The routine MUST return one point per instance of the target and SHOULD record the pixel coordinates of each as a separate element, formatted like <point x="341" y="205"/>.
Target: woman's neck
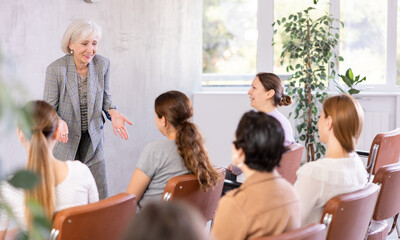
<point x="335" y="150"/>
<point x="247" y="171"/>
<point x="81" y="68"/>
<point x="267" y="108"/>
<point x="170" y="133"/>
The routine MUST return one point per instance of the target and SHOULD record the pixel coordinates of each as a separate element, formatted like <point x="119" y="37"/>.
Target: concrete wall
<point x="153" y="46"/>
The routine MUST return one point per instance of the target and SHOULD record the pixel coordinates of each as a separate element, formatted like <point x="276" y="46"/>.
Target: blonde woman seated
<point x="183" y="152"/>
<point x="341" y="171"/>
<point x="62" y="184"/>
<point x="265" y="204"/>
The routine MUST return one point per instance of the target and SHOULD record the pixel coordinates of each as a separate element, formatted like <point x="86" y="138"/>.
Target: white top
<point x="319" y="181"/>
<point x="78" y="188"/>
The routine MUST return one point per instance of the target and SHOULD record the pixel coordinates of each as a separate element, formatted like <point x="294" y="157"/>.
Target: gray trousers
<point x="98" y="168"/>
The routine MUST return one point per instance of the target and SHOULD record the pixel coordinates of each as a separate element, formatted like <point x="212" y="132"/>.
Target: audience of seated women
<point x="265" y="204"/>
<point x="183" y="152"/>
<point x="341" y="170"/>
<point x="62" y="184"/>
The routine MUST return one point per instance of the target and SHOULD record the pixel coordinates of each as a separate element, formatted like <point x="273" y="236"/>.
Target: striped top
<point x="82" y="88"/>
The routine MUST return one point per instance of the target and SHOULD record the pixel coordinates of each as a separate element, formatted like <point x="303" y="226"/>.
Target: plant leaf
<point x="24" y="179"/>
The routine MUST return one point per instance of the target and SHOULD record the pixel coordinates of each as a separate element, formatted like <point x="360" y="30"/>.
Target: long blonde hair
<point x="43" y="122"/>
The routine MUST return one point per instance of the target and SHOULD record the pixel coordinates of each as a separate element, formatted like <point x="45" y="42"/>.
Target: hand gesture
<point x="62" y="131"/>
<point x="118" y="121"/>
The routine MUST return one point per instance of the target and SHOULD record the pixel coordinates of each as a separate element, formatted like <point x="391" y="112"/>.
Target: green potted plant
<point x="351" y="81"/>
<point x="309" y="52"/>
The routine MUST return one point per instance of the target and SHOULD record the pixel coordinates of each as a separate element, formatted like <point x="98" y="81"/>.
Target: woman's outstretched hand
<point x="118" y="121"/>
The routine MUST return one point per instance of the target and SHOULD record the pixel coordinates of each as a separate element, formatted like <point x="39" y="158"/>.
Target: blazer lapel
<point x="92" y="88"/>
<point x="72" y="87"/>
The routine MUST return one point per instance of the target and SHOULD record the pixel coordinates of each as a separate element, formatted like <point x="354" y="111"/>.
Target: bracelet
<point x="107" y="114"/>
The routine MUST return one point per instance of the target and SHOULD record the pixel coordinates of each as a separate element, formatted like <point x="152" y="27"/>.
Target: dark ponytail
<point x="177" y="110"/>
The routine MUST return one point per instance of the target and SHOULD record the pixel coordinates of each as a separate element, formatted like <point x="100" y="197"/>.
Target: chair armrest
<point x="362" y="153"/>
<point x="231" y="184"/>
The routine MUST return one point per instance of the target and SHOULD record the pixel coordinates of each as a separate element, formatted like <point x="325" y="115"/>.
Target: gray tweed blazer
<point x="61" y="91"/>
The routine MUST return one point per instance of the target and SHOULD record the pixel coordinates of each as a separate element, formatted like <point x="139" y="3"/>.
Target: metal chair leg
<point x="398" y="230"/>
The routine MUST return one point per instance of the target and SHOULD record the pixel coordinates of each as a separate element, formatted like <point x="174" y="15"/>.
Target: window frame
<point x="265" y="50"/>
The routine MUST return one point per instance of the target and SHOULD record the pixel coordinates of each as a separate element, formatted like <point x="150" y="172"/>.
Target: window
<point x="229" y="38"/>
<point x="363" y="39"/>
<point x="368" y="41"/>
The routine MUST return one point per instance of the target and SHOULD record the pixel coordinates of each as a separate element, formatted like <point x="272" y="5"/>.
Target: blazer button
<point x="101" y="127"/>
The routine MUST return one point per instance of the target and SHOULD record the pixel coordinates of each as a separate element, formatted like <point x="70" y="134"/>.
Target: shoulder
<point x="230" y="200"/>
<point x="9" y="192"/>
<point x="336" y="171"/>
<point x="161" y="146"/>
<point x="77" y="167"/>
<point x="312" y="167"/>
<point x="279" y="116"/>
<point x="61" y="62"/>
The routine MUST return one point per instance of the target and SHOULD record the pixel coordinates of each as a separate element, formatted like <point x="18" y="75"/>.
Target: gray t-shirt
<point x="160" y="161"/>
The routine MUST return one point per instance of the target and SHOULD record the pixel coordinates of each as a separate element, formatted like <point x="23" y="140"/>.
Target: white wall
<point x="153" y="46"/>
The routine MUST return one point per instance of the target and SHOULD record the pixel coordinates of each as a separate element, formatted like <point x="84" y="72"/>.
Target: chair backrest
<point x="384" y="150"/>
<point x="290" y="162"/>
<point x="388" y="204"/>
<point x="187" y="188"/>
<point x="105" y="219"/>
<point x="347" y="216"/>
<point x="314" y="231"/>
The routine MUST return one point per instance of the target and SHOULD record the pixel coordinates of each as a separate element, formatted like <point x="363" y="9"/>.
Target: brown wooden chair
<point x="384" y="150"/>
<point x="105" y="219"/>
<point x="388" y="204"/>
<point x="347" y="216"/>
<point x="187" y="188"/>
<point x="290" y="162"/>
<point x="314" y="231"/>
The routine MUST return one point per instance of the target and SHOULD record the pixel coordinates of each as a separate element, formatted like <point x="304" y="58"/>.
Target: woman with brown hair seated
<point x="183" y="152"/>
<point x="265" y="204"/>
<point x="341" y="170"/>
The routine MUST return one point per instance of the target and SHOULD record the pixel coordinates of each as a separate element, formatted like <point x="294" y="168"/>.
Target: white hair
<point x="77" y="30"/>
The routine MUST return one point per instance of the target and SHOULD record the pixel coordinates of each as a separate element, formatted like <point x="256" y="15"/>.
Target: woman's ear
<point x="237" y="156"/>
<point x="270" y="94"/>
<point x="164" y="122"/>
<point x="21" y="136"/>
<point x="329" y="123"/>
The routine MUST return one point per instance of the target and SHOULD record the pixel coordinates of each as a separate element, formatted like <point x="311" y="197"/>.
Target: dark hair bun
<point x="285" y="100"/>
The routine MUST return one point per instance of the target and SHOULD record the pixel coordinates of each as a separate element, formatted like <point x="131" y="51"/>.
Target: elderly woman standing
<point x="77" y="86"/>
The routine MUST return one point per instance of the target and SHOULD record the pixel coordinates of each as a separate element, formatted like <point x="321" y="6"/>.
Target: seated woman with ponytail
<point x="183" y="152"/>
<point x="62" y="184"/>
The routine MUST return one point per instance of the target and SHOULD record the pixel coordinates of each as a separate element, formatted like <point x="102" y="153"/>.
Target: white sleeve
<point x="4" y="218"/>
<point x="308" y="190"/>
